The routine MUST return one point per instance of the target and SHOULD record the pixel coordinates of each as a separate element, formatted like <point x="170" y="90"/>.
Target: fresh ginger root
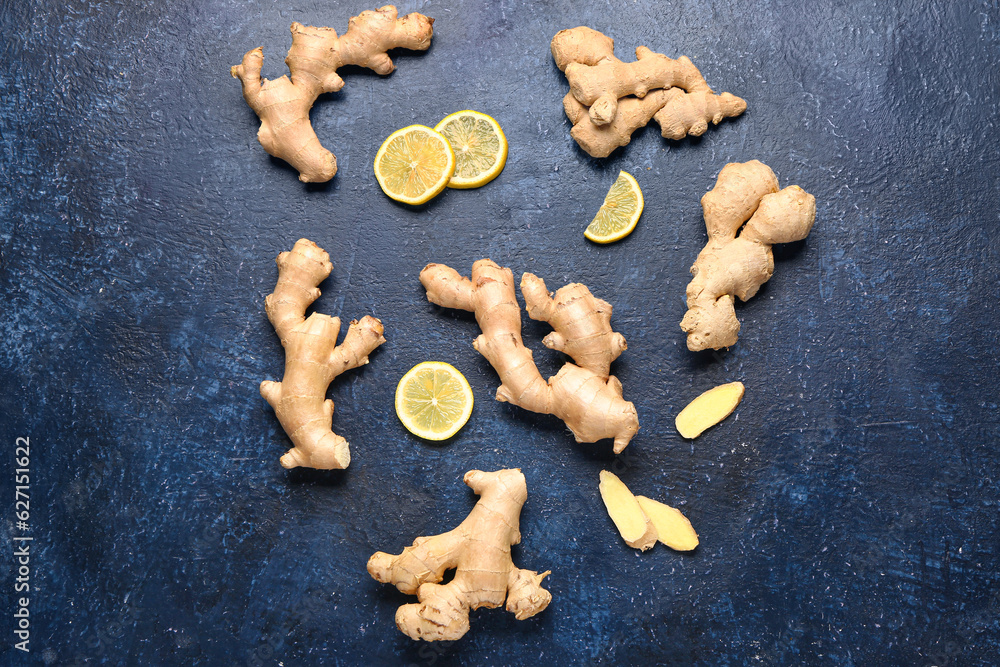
<point x="313" y="60"/>
<point x="582" y="394"/>
<point x="610" y="99"/>
<point x="708" y="409"/>
<point x="479" y="550"/>
<point x="642" y="521"/>
<point x="732" y="265"/>
<point x="312" y="358"/>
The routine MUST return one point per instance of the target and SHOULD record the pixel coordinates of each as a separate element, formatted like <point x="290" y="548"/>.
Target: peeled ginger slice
<point x="672" y="527"/>
<point x="635" y="527"/>
<point x="709" y="409"/>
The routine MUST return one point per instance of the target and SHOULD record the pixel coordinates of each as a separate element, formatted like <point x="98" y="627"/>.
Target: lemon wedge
<point x="414" y="164"/>
<point x="480" y="148"/>
<point x="619" y="213"/>
<point x="433" y="400"/>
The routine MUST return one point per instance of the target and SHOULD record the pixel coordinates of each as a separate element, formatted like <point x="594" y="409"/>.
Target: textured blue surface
<point x="848" y="512"/>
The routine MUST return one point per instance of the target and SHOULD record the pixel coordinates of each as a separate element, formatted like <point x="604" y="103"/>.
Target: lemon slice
<point x="619" y="213"/>
<point x="480" y="148"/>
<point x="433" y="400"/>
<point x="414" y="164"/>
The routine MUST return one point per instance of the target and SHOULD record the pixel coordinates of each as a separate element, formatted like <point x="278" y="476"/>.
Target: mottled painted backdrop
<point x="848" y="512"/>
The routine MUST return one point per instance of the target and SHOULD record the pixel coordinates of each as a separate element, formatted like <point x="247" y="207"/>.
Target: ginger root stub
<point x="708" y="409"/>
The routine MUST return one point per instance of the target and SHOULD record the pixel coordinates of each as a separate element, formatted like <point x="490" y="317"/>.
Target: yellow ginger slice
<point x="672" y="527"/>
<point x="635" y="527"/>
<point x="709" y="409"/>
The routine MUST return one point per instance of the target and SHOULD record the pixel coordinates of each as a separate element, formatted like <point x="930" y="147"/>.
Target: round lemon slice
<point x="619" y="213"/>
<point x="414" y="164"/>
<point x="480" y="148"/>
<point x="433" y="400"/>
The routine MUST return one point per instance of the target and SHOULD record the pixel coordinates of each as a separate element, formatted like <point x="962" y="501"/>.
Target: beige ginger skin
<point x="602" y="140"/>
<point x="312" y="359"/>
<point x="316" y="54"/>
<point x="610" y="99"/>
<point x="479" y="551"/>
<point x="582" y="394"/>
<point x="745" y="196"/>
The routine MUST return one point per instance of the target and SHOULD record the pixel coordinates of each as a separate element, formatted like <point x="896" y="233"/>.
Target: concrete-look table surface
<point x="848" y="510"/>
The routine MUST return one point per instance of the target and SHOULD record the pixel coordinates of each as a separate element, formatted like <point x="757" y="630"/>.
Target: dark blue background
<point x="848" y="512"/>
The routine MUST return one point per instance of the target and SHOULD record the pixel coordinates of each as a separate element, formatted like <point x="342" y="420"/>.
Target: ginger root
<point x="313" y="60"/>
<point x="312" y="359"/>
<point x="583" y="394"/>
<point x="610" y="99"/>
<point x="602" y="140"/>
<point x="479" y="550"/>
<point x="708" y="409"/>
<point x="732" y="265"/>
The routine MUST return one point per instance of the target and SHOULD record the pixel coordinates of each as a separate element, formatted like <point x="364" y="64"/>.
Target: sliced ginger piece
<point x="672" y="527"/>
<point x="635" y="527"/>
<point x="709" y="409"/>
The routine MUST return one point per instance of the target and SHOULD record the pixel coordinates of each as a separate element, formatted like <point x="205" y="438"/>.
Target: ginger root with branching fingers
<point x="610" y="99"/>
<point x="582" y="394"/>
<point x="745" y="196"/>
<point x="312" y="359"/>
<point x="313" y="60"/>
<point x="479" y="551"/>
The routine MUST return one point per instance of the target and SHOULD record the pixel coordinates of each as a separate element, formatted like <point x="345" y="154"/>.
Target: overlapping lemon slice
<point x="414" y="164"/>
<point x="480" y="148"/>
